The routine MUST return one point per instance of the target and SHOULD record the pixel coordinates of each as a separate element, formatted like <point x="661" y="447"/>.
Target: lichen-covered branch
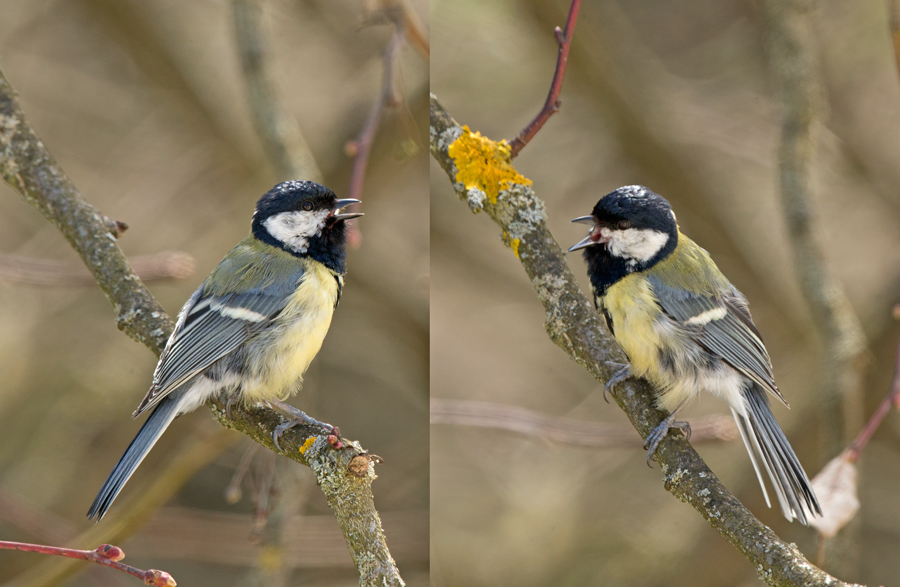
<point x="285" y="146"/>
<point x="345" y="475"/>
<point x="30" y="169"/>
<point x="483" y="177"/>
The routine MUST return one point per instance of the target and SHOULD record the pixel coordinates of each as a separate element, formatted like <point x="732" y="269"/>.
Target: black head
<point x="302" y="217"/>
<point x="632" y="229"/>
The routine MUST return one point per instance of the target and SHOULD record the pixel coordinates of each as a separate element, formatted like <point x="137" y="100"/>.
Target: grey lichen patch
<point x="448" y="137"/>
<point x="475" y="199"/>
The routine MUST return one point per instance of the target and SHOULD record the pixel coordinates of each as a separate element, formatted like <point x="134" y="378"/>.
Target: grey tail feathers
<point x="764" y="439"/>
<point x="149" y="433"/>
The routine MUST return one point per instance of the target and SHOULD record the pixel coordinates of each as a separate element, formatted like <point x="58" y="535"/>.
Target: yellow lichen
<point x="514" y="245"/>
<point x="484" y="164"/>
<point x="309" y="442"/>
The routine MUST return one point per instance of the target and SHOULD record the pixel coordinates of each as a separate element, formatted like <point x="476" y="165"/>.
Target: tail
<point x="763" y="437"/>
<point x="149" y="433"/>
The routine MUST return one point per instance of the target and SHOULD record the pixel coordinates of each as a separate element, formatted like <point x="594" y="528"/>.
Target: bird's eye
<point x="623" y="224"/>
<point x="307" y="205"/>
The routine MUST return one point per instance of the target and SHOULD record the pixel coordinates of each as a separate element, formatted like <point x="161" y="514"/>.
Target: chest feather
<point x="288" y="347"/>
<point x="635" y="318"/>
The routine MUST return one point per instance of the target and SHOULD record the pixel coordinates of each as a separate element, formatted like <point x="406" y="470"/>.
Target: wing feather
<point x="209" y="328"/>
<point x="723" y="326"/>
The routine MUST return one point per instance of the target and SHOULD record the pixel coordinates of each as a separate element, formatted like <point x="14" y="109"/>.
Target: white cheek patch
<point x="295" y="229"/>
<point x="635" y="244"/>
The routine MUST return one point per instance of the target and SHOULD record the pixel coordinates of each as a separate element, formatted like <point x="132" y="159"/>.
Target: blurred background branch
<point x="287" y="150"/>
<point x="30" y="169"/>
<point x="46" y="272"/>
<point x="482" y="176"/>
<point x="792" y="53"/>
<point x="564" y="430"/>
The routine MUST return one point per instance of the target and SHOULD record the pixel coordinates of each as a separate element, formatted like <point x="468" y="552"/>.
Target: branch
<point x="792" y="55"/>
<point x="105" y="554"/>
<point x="482" y="176"/>
<point x="193" y="455"/>
<point x="564" y="430"/>
<point x="280" y="134"/>
<point x="345" y="476"/>
<point x="362" y="146"/>
<point x="892" y="399"/>
<point x="552" y="104"/>
<point x="30" y="271"/>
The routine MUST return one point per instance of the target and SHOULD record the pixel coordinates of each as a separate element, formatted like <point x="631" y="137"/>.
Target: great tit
<point x="253" y="327"/>
<point x="685" y="328"/>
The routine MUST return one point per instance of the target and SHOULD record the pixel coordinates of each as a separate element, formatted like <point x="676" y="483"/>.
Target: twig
<point x="892" y="399"/>
<point x="45" y="272"/>
<point x="345" y="476"/>
<point x="192" y="456"/>
<point x="280" y="134"/>
<point x="362" y="146"/>
<point x="564" y="430"/>
<point x="105" y="554"/>
<point x="402" y="11"/>
<point x="551" y="105"/>
<point x="482" y="176"/>
<point x="792" y="55"/>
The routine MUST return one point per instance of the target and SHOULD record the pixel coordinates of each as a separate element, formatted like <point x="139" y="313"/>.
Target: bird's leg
<point x="623" y="373"/>
<point x="657" y="434"/>
<point x="298" y="418"/>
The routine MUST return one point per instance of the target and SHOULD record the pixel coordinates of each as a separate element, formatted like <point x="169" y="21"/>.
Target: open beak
<point x="588" y="240"/>
<point x="343" y="204"/>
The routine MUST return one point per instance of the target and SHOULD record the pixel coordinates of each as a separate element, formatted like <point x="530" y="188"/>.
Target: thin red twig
<point x="551" y="106"/>
<point x="362" y="146"/>
<point x="891" y="399"/>
<point x="105" y="554"/>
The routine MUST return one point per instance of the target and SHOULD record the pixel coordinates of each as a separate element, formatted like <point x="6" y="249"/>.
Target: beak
<point x="582" y="244"/>
<point x="343" y="204"/>
<point x="586" y="241"/>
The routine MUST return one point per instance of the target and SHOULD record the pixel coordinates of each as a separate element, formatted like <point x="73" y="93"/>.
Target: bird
<point x="253" y="326"/>
<point x="685" y="328"/>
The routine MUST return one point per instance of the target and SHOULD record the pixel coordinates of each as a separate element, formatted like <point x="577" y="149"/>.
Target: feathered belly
<point x="278" y="358"/>
<point x="663" y="352"/>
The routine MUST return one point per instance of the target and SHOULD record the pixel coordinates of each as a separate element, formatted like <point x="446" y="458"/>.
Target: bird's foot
<point x="299" y="418"/>
<point x="623" y="372"/>
<point x="657" y="434"/>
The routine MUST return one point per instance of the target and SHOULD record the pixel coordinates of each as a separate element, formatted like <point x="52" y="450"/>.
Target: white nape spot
<point x="707" y="317"/>
<point x="237" y="313"/>
<point x="635" y="244"/>
<point x="294" y="229"/>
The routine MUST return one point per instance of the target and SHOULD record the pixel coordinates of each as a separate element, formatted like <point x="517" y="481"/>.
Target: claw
<point x="623" y="373"/>
<point x="332" y="433"/>
<point x="657" y="434"/>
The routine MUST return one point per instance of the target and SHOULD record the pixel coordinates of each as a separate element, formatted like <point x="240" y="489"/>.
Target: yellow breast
<point x="634" y="314"/>
<point x="278" y="359"/>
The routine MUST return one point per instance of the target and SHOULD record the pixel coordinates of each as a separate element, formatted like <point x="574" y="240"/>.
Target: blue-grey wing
<point x="210" y="327"/>
<point x="722" y="325"/>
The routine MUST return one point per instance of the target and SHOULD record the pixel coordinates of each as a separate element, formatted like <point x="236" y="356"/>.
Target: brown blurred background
<point x="143" y="105"/>
<point x="677" y="96"/>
